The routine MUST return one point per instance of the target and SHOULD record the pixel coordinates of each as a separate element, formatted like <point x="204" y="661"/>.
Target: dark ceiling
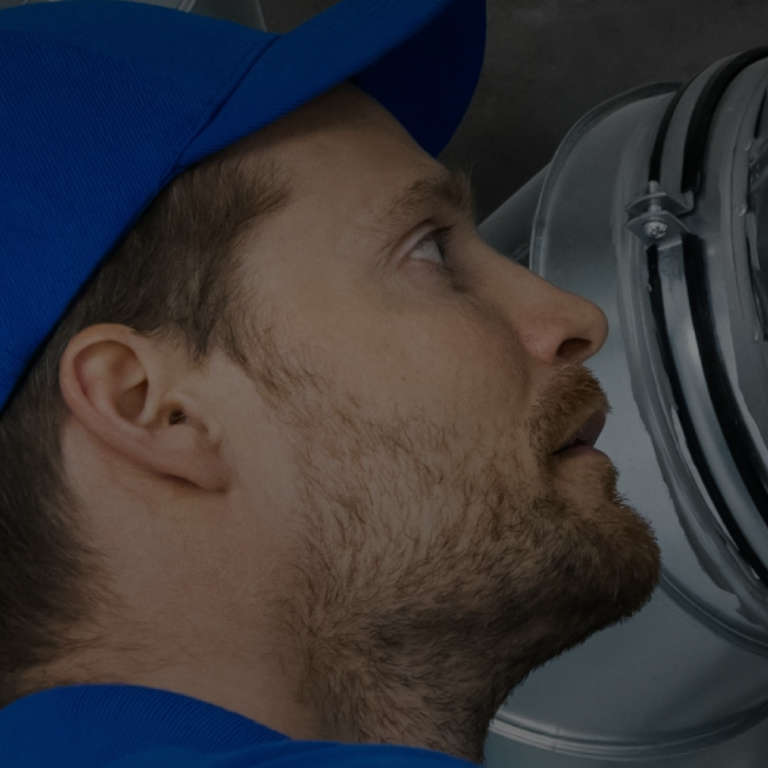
<point x="549" y="61"/>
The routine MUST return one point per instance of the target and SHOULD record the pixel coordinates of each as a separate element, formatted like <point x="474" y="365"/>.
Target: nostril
<point x="574" y="350"/>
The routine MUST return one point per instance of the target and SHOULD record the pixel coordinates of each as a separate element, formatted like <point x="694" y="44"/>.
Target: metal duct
<point x="655" y="207"/>
<point x="247" y="12"/>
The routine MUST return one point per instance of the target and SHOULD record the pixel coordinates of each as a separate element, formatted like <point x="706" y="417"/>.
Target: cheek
<point x="455" y="361"/>
<point x="407" y="343"/>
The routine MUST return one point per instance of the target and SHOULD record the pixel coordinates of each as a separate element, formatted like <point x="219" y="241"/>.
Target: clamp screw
<point x="655" y="229"/>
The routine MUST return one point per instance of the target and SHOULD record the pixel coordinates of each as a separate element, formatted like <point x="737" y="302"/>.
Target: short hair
<point x="173" y="274"/>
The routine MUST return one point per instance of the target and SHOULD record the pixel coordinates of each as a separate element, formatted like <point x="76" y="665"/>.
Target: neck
<point x="439" y="691"/>
<point x="411" y="712"/>
<point x="434" y="689"/>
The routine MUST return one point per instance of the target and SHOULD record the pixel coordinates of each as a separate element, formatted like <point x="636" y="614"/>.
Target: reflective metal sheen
<point x="654" y="207"/>
<point x="247" y="12"/>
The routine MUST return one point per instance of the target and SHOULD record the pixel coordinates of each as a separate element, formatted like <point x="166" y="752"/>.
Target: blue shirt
<point x="127" y="726"/>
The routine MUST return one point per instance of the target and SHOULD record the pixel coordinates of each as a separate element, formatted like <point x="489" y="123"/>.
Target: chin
<point x="615" y="560"/>
<point x="601" y="558"/>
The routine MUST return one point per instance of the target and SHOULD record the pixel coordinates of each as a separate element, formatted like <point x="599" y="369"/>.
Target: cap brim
<point x="420" y="61"/>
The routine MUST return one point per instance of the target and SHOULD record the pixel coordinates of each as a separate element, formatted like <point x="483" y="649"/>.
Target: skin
<point x="365" y="535"/>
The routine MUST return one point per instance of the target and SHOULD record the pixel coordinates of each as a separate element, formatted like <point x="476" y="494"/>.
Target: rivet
<point x="655" y="229"/>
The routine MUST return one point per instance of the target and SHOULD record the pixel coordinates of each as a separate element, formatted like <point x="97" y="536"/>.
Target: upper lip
<point x="587" y="432"/>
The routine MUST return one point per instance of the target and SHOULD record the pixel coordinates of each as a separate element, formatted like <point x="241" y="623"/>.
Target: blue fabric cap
<point x="102" y="103"/>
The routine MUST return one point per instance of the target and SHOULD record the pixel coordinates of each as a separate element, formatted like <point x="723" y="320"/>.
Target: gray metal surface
<point x="685" y="682"/>
<point x="246" y="12"/>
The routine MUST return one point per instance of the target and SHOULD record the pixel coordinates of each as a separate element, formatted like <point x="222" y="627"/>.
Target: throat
<point x="436" y="692"/>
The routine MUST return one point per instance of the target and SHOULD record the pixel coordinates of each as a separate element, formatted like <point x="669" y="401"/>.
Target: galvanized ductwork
<point x="246" y="12"/>
<point x="655" y="207"/>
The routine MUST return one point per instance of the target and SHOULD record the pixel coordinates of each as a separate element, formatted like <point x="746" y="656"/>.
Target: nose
<point x="555" y="326"/>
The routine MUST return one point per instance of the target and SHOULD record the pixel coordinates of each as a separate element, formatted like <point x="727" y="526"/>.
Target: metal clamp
<point x="654" y="216"/>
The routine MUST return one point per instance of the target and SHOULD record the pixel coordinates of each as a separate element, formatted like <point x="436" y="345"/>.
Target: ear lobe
<point x="140" y="397"/>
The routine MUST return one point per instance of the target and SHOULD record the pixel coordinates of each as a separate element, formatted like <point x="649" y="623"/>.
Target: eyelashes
<point x="440" y="254"/>
<point x="437" y="242"/>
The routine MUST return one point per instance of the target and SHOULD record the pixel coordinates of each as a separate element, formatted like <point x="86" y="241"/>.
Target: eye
<point x="433" y="247"/>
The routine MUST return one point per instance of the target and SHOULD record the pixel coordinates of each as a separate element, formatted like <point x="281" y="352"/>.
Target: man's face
<point x="423" y="383"/>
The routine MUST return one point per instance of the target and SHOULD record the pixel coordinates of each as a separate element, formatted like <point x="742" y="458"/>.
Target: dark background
<point x="549" y="61"/>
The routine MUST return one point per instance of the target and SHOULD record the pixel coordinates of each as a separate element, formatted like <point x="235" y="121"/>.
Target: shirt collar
<point x="119" y="719"/>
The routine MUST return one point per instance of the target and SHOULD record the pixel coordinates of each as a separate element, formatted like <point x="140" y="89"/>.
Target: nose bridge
<point x="554" y="325"/>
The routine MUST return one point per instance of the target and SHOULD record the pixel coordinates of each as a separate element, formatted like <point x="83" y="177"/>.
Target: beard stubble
<point x="431" y="574"/>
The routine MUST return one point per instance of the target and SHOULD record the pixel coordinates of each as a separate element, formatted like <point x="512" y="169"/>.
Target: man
<point x="289" y="456"/>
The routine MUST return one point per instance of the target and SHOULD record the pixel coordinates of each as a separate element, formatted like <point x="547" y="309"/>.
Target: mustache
<point x="570" y="398"/>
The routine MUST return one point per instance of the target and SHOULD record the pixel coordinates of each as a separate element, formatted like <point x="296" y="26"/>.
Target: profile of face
<point x="402" y="523"/>
<point x="438" y="538"/>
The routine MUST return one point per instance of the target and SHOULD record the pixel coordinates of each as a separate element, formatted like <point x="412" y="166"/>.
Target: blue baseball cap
<point x="102" y="103"/>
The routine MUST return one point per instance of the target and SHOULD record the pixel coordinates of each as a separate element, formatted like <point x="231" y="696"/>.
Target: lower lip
<point x="578" y="450"/>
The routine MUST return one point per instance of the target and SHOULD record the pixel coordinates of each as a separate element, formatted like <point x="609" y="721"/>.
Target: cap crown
<point x="102" y="103"/>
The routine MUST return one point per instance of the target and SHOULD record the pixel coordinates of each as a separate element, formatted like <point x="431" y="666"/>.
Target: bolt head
<point x="655" y="229"/>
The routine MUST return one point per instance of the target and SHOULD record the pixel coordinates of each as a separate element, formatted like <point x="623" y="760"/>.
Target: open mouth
<point x="585" y="436"/>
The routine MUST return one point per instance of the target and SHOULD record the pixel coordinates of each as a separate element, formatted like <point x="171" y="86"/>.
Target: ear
<point x="142" y="398"/>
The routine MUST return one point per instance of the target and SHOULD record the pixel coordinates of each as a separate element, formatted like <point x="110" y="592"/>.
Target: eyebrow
<point x="453" y="188"/>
